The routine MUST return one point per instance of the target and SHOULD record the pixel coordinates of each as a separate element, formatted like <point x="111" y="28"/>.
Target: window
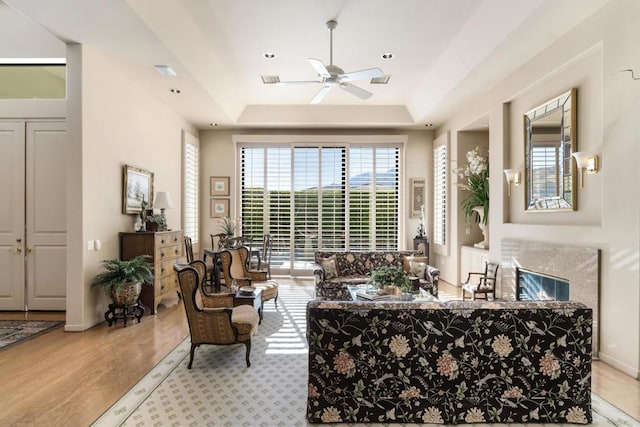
<point x="309" y="196"/>
<point x="191" y="177"/>
<point x="440" y="195"/>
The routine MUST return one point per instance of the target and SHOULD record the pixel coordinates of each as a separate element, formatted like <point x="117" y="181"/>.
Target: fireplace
<point x="578" y="266"/>
<point x="533" y="286"/>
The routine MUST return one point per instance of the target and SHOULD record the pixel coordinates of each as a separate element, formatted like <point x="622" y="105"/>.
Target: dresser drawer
<point x="166" y="267"/>
<point x="168" y="239"/>
<point x="165" y="284"/>
<point x="168" y="253"/>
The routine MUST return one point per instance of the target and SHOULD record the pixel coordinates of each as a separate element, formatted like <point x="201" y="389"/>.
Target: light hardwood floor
<point x="71" y="378"/>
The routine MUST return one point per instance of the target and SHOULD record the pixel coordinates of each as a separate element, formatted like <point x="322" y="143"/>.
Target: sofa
<point x="334" y="271"/>
<point x="454" y="362"/>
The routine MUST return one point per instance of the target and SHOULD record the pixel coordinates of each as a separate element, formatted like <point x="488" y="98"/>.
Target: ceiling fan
<point x="331" y="75"/>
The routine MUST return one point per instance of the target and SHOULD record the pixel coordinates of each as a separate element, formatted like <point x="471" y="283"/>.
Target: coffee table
<point x="254" y="299"/>
<point x="421" y="296"/>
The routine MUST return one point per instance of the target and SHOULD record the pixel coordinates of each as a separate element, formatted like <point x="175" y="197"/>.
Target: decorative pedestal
<point x="124" y="312"/>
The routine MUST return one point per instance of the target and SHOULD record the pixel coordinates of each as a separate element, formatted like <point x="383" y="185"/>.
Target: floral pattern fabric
<point x="453" y="362"/>
<point x="355" y="268"/>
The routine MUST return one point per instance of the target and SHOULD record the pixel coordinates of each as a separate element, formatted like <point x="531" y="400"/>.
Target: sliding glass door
<point x="334" y="197"/>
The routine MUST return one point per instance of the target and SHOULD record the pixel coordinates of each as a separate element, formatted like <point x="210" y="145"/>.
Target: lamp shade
<point x="163" y="200"/>
<point x="581" y="158"/>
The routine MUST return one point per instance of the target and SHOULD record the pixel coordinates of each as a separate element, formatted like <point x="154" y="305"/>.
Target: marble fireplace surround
<point x="580" y="266"/>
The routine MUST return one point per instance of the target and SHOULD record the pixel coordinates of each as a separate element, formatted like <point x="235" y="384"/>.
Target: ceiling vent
<point x="380" y="80"/>
<point x="270" y="80"/>
<point x="165" y="70"/>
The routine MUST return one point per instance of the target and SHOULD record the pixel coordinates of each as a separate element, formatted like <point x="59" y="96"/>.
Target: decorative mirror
<point x="549" y="140"/>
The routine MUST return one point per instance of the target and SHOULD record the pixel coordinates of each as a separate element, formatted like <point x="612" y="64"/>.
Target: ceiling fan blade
<point x="355" y="90"/>
<point x="362" y="74"/>
<point x="320" y="68"/>
<point x="297" y="82"/>
<point x="320" y="95"/>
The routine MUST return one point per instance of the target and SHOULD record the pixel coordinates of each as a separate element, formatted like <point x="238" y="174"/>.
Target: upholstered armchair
<point x="218" y="326"/>
<point x="234" y="268"/>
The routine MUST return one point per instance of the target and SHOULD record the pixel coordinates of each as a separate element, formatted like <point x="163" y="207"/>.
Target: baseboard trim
<point x="621" y="366"/>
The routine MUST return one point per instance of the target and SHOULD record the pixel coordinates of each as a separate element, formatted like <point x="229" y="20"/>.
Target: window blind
<point x="440" y="195"/>
<point x="191" y="190"/>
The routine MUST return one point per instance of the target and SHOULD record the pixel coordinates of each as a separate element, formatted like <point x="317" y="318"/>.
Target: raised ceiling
<point x="445" y="52"/>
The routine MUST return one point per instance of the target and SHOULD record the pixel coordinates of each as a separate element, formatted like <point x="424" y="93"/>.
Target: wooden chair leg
<point x="193" y="350"/>
<point x="247" y="344"/>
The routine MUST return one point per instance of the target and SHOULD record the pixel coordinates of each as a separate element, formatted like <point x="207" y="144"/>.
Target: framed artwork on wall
<point x="417" y="197"/>
<point x="219" y="186"/>
<point x="219" y="208"/>
<point x="137" y="186"/>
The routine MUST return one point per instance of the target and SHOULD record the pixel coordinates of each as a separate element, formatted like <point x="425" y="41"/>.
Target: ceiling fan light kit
<point x="331" y="75"/>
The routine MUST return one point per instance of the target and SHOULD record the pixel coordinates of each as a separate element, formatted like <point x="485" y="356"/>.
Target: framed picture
<point x="137" y="185"/>
<point x="219" y="186"/>
<point x="219" y="208"/>
<point x="417" y="197"/>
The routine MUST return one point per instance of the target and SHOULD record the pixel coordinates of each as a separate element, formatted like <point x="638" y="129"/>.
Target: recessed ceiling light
<point x="386" y="55"/>
<point x="429" y="125"/>
<point x="165" y="70"/>
<point x="176" y="91"/>
<point x="269" y="55"/>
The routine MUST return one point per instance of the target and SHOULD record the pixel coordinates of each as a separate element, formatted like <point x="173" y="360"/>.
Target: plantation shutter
<point x="306" y="180"/>
<point x="252" y="187"/>
<point x="360" y="199"/>
<point x="191" y="176"/>
<point x="440" y="194"/>
<point x="386" y="198"/>
<point x="333" y="183"/>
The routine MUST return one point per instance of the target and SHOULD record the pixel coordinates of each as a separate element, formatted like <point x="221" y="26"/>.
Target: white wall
<point x="112" y="122"/>
<point x="218" y="159"/>
<point x="588" y="58"/>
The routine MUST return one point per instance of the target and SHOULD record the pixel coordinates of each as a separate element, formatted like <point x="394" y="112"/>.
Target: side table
<point x="124" y="312"/>
<point x="254" y="300"/>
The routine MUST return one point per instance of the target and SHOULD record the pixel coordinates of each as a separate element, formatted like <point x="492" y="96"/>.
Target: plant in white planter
<point x="122" y="280"/>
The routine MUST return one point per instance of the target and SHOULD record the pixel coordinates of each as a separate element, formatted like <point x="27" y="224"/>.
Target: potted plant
<point x="474" y="177"/>
<point x="390" y="276"/>
<point x="123" y="280"/>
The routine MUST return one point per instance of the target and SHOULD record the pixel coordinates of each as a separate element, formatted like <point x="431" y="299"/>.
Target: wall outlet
<point x="467" y="231"/>
<point x="90" y="245"/>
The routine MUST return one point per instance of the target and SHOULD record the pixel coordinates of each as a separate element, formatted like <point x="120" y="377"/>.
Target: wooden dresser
<point x="165" y="249"/>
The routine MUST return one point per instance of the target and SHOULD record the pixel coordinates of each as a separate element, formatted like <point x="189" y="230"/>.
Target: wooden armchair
<point x="188" y="250"/>
<point x="218" y="326"/>
<point x="485" y="284"/>
<point x="234" y="268"/>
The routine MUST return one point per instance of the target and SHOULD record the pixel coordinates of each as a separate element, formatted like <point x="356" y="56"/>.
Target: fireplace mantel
<point x="577" y="264"/>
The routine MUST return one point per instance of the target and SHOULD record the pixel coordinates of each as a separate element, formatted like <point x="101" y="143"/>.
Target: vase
<point x="483" y="227"/>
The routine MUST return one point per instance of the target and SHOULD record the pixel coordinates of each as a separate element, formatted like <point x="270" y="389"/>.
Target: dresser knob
<point x="162" y="241"/>
<point x="161" y="254"/>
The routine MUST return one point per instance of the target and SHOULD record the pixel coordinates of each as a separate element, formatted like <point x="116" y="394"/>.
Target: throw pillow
<point x="417" y="268"/>
<point x="330" y="267"/>
<point x="406" y="264"/>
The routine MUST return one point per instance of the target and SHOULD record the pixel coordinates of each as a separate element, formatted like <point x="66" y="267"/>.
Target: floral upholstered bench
<point x="334" y="271"/>
<point x="454" y="362"/>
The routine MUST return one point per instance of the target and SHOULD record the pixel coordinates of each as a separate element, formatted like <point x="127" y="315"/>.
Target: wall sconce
<point x="586" y="162"/>
<point x="512" y="175"/>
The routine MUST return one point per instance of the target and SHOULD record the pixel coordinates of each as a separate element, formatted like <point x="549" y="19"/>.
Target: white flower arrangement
<point x="474" y="177"/>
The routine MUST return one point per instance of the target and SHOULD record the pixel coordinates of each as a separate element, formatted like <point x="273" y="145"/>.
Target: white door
<point x="12" y="228"/>
<point x="33" y="241"/>
<point x="46" y="215"/>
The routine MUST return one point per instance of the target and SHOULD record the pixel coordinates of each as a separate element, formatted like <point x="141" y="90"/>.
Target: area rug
<point x="221" y="391"/>
<point x="13" y="332"/>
